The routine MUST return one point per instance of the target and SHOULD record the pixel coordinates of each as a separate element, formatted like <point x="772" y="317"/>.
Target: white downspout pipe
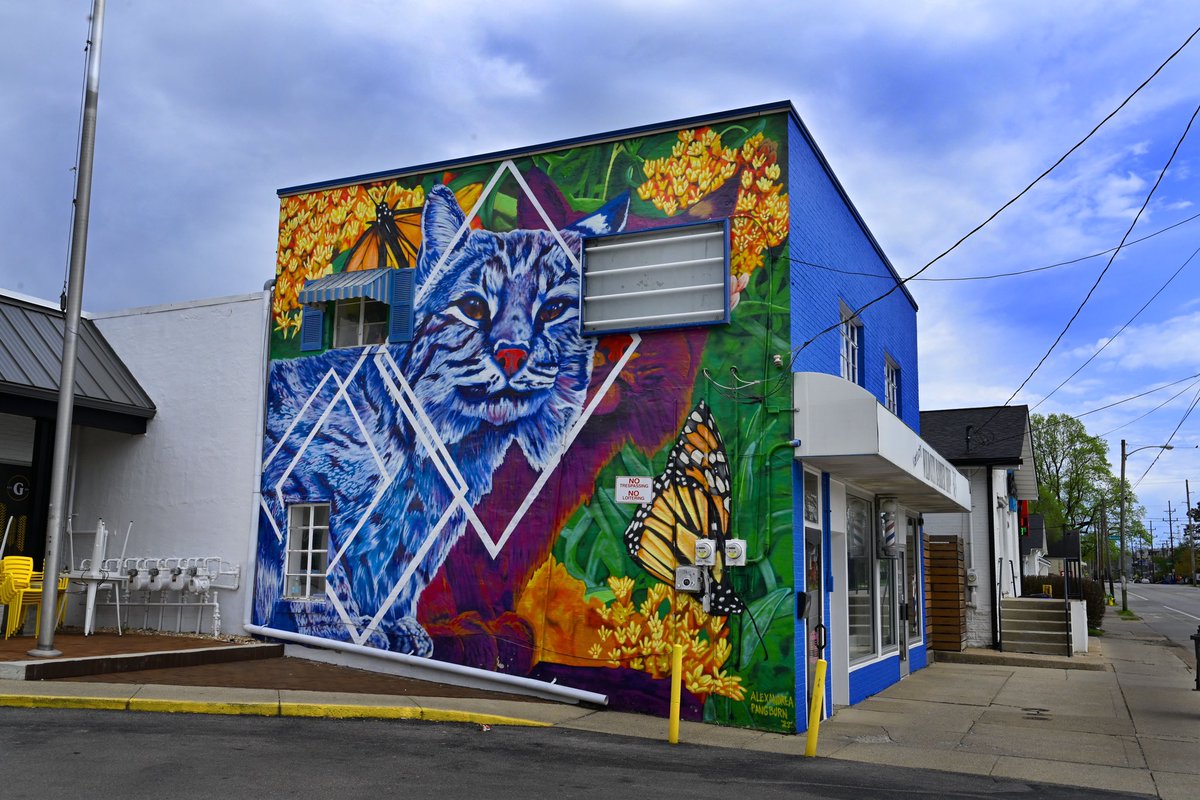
<point x="259" y="434"/>
<point x="549" y="691"/>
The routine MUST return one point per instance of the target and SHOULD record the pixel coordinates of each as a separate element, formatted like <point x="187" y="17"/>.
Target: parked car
<point x="1144" y="580"/>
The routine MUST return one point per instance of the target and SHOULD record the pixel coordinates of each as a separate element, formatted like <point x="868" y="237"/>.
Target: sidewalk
<point x="1127" y="719"/>
<point x="1133" y="727"/>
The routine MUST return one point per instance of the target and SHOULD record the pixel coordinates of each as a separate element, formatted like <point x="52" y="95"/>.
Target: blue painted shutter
<point x="400" y="323"/>
<point x="312" y="328"/>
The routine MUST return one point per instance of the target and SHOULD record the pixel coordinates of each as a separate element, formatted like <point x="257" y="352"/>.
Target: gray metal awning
<point x="842" y="429"/>
<point x="31" y="342"/>
<point x="373" y="283"/>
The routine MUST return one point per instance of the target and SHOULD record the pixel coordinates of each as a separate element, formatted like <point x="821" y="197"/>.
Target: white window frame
<point x="303" y="547"/>
<point x="669" y="277"/>
<point x="850" y="335"/>
<point x="363" y="332"/>
<point x="891" y="386"/>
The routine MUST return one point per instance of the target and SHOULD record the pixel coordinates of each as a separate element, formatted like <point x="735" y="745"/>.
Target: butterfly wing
<point x="390" y="242"/>
<point x="690" y="500"/>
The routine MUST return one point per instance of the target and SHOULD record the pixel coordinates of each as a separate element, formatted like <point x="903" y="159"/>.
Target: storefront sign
<point x="936" y="471"/>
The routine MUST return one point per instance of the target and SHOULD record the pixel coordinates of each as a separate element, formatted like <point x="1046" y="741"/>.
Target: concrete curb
<point x="265" y="709"/>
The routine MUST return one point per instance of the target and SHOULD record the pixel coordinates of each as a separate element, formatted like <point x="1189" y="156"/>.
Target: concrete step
<point x="1030" y="602"/>
<point x="1009" y="635"/>
<point x="1035" y="615"/>
<point x="1052" y="649"/>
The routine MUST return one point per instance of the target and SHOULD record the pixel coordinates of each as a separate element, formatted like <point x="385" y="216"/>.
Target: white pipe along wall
<point x="455" y="674"/>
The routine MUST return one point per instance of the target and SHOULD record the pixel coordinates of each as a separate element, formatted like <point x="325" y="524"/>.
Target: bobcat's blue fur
<point x="496" y="358"/>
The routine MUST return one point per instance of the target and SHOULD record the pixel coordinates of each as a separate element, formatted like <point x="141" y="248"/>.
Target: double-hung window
<point x="307" y="550"/>
<point x="851" y="341"/>
<point x="891" y="387"/>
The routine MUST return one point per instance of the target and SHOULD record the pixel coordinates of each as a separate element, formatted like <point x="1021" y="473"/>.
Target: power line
<point x="1014" y="199"/>
<point x="1151" y="411"/>
<point x="1158" y="454"/>
<point x="1121" y="330"/>
<point x="996" y="275"/>
<point x="1104" y="271"/>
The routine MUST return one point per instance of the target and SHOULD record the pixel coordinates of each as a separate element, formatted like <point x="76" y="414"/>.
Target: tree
<point x="1077" y="483"/>
<point x="1073" y="472"/>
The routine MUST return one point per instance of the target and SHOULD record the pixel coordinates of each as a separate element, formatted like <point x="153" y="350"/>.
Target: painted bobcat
<point x="496" y="359"/>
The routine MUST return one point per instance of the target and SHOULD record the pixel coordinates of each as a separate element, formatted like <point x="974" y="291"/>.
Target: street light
<point x="1125" y="455"/>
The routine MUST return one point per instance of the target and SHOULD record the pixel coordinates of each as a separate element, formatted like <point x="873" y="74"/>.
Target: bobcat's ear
<point x="609" y="218"/>
<point x="441" y="219"/>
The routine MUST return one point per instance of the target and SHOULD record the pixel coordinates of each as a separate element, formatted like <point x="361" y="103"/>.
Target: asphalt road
<point x="1173" y="611"/>
<point x="50" y="753"/>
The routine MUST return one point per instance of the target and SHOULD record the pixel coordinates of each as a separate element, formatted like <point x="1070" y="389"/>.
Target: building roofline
<point x="778" y="107"/>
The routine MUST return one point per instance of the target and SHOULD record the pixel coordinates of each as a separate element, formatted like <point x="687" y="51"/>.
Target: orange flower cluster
<point x="314" y="228"/>
<point x="698" y="165"/>
<point x="761" y="213"/>
<point x="585" y="631"/>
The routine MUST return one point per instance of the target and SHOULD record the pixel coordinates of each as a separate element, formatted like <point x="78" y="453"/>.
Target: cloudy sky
<point x="933" y="113"/>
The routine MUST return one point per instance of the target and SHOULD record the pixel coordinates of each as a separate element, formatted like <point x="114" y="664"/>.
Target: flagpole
<point x="48" y="614"/>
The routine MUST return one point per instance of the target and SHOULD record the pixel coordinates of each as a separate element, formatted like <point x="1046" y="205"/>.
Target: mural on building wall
<point x="470" y="474"/>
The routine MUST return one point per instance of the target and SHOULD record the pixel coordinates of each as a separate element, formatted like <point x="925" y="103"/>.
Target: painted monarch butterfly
<point x="690" y="500"/>
<point x="394" y="237"/>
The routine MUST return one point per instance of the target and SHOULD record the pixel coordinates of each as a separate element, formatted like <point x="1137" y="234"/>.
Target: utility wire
<point x="1158" y="454"/>
<point x="1104" y="271"/>
<point x="1017" y="197"/>
<point x="1121" y="330"/>
<point x="1151" y="411"/>
<point x="996" y="275"/>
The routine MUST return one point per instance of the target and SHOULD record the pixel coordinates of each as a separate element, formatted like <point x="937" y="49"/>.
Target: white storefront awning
<point x="842" y="429"/>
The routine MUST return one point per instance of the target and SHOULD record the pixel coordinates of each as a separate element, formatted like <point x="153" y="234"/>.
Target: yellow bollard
<point x="815" y="708"/>
<point x="676" y="688"/>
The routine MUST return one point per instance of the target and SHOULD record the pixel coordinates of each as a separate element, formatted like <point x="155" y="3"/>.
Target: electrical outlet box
<point x="687" y="579"/>
<point x="706" y="553"/>
<point x="735" y="552"/>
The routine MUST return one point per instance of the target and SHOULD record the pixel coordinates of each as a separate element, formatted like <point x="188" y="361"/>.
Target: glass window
<point x="892" y="388"/>
<point x="851" y="335"/>
<point x="913" y="586"/>
<point x="860" y="583"/>
<point x="359" y="322"/>
<point x="887" y="603"/>
<point x="307" y="551"/>
<point x="812" y="499"/>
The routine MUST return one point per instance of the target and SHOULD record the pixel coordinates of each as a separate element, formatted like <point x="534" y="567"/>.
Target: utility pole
<point x="48" y="614"/>
<point x="1193" y="515"/>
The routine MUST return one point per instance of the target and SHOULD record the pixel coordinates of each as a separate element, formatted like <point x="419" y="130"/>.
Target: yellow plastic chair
<point x="30" y="596"/>
<point x="18" y="577"/>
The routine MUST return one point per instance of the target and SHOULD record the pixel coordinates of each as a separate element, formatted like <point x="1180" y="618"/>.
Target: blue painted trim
<point x="638" y="329"/>
<point x="918" y="657"/>
<point x="874" y="677"/>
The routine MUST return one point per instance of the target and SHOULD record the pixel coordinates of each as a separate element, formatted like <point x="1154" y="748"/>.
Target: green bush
<point x="1093" y="594"/>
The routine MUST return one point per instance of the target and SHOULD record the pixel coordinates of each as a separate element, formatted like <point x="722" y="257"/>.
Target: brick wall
<point x="826" y="231"/>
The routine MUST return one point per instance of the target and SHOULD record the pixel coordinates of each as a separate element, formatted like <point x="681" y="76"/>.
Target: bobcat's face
<point x="501" y="329"/>
<point x="497" y="339"/>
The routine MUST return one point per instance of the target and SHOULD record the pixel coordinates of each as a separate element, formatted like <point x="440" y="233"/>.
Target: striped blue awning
<point x="373" y="283"/>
